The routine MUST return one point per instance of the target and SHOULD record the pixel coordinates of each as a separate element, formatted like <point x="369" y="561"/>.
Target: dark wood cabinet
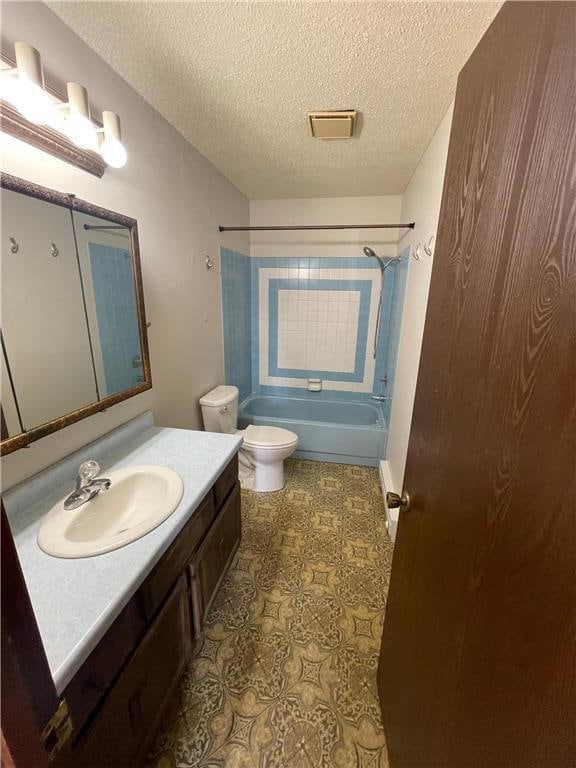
<point x="177" y="558"/>
<point x="116" y="699"/>
<point x="225" y="482"/>
<point x="90" y="684"/>
<point x="123" y="727"/>
<point x="214" y="556"/>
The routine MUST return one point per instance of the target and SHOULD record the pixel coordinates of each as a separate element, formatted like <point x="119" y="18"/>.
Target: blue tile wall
<point x="116" y="313"/>
<point x="237" y="319"/>
<point x="255" y="325"/>
<point x="394" y="322"/>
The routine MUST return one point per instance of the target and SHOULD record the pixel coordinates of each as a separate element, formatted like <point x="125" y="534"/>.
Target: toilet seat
<point x="268" y="437"/>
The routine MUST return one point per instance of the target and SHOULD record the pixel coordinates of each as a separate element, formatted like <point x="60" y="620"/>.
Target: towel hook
<point x="14" y="247"/>
<point x="428" y="246"/>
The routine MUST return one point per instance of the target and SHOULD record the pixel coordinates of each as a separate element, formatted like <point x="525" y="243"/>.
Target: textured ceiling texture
<point x="238" y="78"/>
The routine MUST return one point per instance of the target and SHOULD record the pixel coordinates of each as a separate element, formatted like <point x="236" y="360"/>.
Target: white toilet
<point x="264" y="449"/>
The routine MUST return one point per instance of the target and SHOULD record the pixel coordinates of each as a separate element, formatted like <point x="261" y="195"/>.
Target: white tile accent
<point x="302" y="320"/>
<point x="305" y="342"/>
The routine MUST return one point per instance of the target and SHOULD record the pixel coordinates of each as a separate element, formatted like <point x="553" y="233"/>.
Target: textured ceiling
<point x="237" y="79"/>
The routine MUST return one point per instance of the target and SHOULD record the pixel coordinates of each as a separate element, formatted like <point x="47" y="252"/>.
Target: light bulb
<point x="30" y="98"/>
<point x="78" y="126"/>
<point x="32" y="101"/>
<point x="114" y="153"/>
<point x="8" y="87"/>
<point x="81" y="131"/>
<point x="111" y="148"/>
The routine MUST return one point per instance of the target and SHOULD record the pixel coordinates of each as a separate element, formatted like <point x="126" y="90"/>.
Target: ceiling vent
<point x="339" y="124"/>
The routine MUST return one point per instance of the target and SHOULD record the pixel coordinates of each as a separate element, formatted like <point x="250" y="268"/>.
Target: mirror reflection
<point x="108" y="278"/>
<point x="70" y="324"/>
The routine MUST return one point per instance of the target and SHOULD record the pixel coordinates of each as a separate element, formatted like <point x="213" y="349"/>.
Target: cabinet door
<point x="131" y="711"/>
<point x="214" y="557"/>
<point x="175" y="561"/>
<point x="90" y="684"/>
<point x="226" y="482"/>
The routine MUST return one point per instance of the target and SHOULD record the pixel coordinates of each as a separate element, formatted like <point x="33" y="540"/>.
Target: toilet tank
<point x="220" y="409"/>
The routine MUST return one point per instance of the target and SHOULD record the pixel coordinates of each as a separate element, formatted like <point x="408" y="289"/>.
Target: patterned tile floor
<point x="286" y="674"/>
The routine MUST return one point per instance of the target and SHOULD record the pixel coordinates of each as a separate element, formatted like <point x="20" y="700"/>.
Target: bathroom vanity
<point x="116" y="698"/>
<point x="118" y="628"/>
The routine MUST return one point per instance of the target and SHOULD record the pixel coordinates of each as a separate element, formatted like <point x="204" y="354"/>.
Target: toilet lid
<point x="272" y="437"/>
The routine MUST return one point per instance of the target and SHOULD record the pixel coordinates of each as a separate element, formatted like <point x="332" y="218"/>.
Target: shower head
<point x="371" y="253"/>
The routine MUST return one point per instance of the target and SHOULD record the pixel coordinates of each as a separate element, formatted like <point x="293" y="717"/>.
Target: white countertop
<point x="76" y="601"/>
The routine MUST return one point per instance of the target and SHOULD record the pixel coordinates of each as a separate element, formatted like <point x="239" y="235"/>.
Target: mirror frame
<point x="72" y="203"/>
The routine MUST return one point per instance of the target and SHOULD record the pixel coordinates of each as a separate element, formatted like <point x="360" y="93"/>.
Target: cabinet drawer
<point x="214" y="556"/>
<point x="225" y="482"/>
<point x="176" y="559"/>
<point x="126" y="724"/>
<point x="89" y="686"/>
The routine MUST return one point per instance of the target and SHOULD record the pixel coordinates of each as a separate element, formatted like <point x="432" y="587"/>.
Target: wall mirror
<point x="73" y="326"/>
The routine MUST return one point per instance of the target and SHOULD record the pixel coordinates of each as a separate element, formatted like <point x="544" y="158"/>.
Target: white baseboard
<point x="387" y="484"/>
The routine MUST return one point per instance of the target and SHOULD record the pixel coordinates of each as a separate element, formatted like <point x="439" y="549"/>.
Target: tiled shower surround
<point x="310" y="318"/>
<point x="237" y="320"/>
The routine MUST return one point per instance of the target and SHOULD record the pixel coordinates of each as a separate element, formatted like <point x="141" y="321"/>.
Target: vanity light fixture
<point x="79" y="127"/>
<point x="30" y="98"/>
<point x="22" y="86"/>
<point x="111" y="147"/>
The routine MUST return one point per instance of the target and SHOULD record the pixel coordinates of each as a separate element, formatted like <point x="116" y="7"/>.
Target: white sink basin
<point x="138" y="500"/>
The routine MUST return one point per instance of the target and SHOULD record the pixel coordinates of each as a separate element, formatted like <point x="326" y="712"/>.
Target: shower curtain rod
<point x="411" y="225"/>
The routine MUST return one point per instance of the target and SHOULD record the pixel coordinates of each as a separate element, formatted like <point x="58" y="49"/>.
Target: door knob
<point x="394" y="500"/>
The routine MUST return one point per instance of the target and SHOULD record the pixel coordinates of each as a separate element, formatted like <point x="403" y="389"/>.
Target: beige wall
<point x="325" y="210"/>
<point x="8" y="402"/>
<point x="421" y="203"/>
<point x="178" y="198"/>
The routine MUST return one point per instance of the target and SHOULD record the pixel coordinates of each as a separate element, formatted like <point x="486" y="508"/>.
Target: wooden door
<point x="478" y="660"/>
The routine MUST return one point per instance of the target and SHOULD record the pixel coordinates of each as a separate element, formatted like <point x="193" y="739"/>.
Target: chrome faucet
<point x="88" y="484"/>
